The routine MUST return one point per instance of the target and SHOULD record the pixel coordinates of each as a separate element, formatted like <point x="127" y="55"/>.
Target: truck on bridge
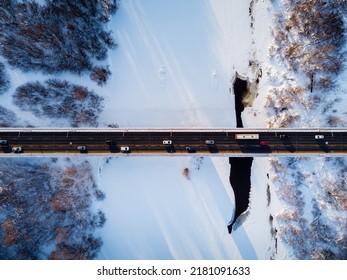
<point x="247" y="136"/>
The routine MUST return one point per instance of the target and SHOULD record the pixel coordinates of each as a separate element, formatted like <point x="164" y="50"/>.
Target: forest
<point x="61" y="36"/>
<point x="60" y="100"/>
<point x="309" y="38"/>
<point x="322" y="235"/>
<point x="308" y="46"/>
<point x="45" y="209"/>
<point x="45" y="203"/>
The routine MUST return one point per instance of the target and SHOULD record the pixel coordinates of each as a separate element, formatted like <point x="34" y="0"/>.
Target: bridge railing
<point x="185" y="129"/>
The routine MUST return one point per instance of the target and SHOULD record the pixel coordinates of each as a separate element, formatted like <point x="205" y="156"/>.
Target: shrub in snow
<point x="45" y="210"/>
<point x="57" y="99"/>
<point x="100" y="75"/>
<point x="113" y="125"/>
<point x="334" y="121"/>
<point x="63" y="35"/>
<point x="4" y="82"/>
<point x="186" y="172"/>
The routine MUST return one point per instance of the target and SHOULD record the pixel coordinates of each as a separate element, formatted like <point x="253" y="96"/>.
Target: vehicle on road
<point x="82" y="148"/>
<point x="191" y="149"/>
<point x="209" y="142"/>
<point x="110" y="142"/>
<point x="319" y="136"/>
<point x="3" y="142"/>
<point x="17" y="149"/>
<point x="167" y="142"/>
<point x="284" y="136"/>
<point x="125" y="149"/>
<point x="246" y="136"/>
<point x="264" y="143"/>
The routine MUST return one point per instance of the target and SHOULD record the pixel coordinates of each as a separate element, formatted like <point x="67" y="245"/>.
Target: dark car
<point x="284" y="136"/>
<point x="191" y="149"/>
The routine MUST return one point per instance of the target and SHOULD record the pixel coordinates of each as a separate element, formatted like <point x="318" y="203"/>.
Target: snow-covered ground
<point x="175" y="62"/>
<point x="154" y="212"/>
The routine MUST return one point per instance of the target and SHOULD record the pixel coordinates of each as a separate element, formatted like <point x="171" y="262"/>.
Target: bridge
<point x="236" y="142"/>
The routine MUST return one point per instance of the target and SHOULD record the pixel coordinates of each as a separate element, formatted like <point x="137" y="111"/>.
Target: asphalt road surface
<point x="151" y="142"/>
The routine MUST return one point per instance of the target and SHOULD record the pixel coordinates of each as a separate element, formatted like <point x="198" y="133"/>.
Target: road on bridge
<point x="151" y="142"/>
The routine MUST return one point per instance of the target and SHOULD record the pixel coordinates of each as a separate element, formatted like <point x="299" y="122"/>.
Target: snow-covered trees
<point x="306" y="59"/>
<point x="313" y="220"/>
<point x="45" y="210"/>
<point x="309" y="36"/>
<point x="4" y="82"/>
<point x="57" y="99"/>
<point x="63" y="35"/>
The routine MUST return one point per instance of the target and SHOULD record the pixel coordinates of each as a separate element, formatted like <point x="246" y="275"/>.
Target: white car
<point x="82" y="148"/>
<point x="167" y="142"/>
<point x="124" y="149"/>
<point x="209" y="142"/>
<point x="319" y="136"/>
<point x="17" y="149"/>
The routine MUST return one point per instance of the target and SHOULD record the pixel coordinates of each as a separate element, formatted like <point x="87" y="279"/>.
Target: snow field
<point x="154" y="212"/>
<point x="175" y="62"/>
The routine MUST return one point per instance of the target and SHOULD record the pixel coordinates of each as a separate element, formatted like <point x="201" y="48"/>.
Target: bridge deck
<point x="289" y="142"/>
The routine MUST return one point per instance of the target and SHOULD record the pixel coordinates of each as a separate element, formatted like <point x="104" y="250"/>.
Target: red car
<point x="263" y="143"/>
